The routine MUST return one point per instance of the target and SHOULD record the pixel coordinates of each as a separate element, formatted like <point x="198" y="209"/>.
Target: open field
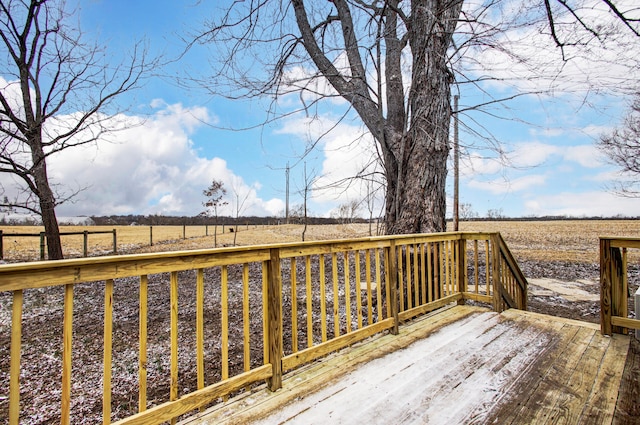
<point x="562" y="240"/>
<point x="567" y="240"/>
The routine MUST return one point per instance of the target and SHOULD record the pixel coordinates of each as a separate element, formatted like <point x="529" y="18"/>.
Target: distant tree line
<point x="164" y="220"/>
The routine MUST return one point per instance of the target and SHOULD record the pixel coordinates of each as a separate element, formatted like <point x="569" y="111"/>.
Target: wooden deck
<point x="463" y="364"/>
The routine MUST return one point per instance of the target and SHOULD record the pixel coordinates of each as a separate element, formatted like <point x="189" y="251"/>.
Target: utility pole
<point x="286" y="211"/>
<point x="456" y="166"/>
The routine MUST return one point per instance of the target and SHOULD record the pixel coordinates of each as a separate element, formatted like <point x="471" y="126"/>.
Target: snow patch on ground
<point x="571" y="291"/>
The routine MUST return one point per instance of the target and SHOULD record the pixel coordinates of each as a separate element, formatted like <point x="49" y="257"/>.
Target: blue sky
<point x="182" y="138"/>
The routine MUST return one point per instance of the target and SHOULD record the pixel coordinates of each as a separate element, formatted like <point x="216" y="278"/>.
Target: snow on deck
<point x="451" y="377"/>
<point x="474" y="367"/>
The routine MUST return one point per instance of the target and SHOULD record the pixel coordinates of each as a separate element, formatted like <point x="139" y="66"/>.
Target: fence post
<point x="115" y="242"/>
<point x="274" y="334"/>
<point x="605" y="286"/>
<point x="42" y="242"/>
<point x="496" y="278"/>
<point x="151" y="235"/>
<point x="184" y="231"/>
<point x="393" y="284"/>
<point x="462" y="267"/>
<point x="613" y="293"/>
<point x="86" y="243"/>
<point x="1" y="246"/>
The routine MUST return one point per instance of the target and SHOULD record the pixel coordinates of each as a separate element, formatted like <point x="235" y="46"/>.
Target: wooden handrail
<point x="614" y="291"/>
<point x="510" y="284"/>
<point x="339" y="291"/>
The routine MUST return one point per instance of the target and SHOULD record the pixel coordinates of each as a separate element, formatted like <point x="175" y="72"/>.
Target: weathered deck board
<point x="461" y="365"/>
<point x="628" y="407"/>
<point x="576" y="381"/>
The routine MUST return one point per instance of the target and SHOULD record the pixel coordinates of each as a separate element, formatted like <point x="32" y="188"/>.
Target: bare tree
<point x="495" y="214"/>
<point x="55" y="98"/>
<point x="467" y="212"/>
<point x="347" y="212"/>
<point x="239" y="203"/>
<point x="309" y="179"/>
<point x="622" y="147"/>
<point x="393" y="62"/>
<point x="214" y="195"/>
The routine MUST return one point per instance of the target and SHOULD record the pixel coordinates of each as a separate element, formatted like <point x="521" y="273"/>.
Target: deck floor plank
<point x="555" y="389"/>
<point x="604" y="394"/>
<point x="462" y="365"/>
<point x="576" y="381"/>
<point x="628" y="405"/>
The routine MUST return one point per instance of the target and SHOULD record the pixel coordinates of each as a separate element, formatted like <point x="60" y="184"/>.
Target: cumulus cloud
<point x="502" y="186"/>
<point x="533" y="154"/>
<point x="149" y="167"/>
<point x="346" y="151"/>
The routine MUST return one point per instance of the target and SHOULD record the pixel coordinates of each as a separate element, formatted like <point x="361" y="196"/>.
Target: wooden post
<point x="605" y="286"/>
<point x="1" y="246"/>
<point x="151" y="235"/>
<point x="393" y="284"/>
<point x="14" y="374"/>
<point x="115" y="242"/>
<point x="184" y="231"/>
<point x="85" y="243"/>
<point x="274" y="336"/>
<point x="108" y="353"/>
<point x="173" y="336"/>
<point x="495" y="274"/>
<point x="618" y="291"/>
<point x="67" y="337"/>
<point x="42" y="245"/>
<point x="461" y="272"/>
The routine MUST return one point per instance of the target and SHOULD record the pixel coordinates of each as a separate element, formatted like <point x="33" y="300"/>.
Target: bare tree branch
<point x="58" y="100"/>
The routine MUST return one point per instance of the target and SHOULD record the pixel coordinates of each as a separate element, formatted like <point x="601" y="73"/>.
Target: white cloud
<point x="502" y="186"/>
<point x="586" y="155"/>
<point x="584" y="204"/>
<point x="149" y="167"/>
<point x="532" y="154"/>
<point x="476" y="164"/>
<point x="346" y="150"/>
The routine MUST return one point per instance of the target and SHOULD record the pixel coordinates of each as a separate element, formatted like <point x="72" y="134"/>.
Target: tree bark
<point x="416" y="199"/>
<point x="47" y="202"/>
<point x="414" y="133"/>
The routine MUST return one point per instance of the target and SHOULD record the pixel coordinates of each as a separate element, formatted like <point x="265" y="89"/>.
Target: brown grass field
<point x="566" y="240"/>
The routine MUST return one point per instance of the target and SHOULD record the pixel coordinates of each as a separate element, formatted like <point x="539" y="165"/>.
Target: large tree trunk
<point x="416" y="160"/>
<point x="414" y="135"/>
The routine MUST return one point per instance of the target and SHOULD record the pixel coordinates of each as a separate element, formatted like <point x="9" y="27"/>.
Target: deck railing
<point x="175" y="332"/>
<point x="614" y="285"/>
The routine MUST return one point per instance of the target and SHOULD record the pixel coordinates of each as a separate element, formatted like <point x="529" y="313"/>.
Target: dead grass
<point x="165" y="238"/>
<point x="570" y="240"/>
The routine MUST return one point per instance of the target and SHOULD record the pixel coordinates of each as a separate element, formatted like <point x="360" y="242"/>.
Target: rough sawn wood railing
<point x="614" y="287"/>
<point x="256" y="311"/>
